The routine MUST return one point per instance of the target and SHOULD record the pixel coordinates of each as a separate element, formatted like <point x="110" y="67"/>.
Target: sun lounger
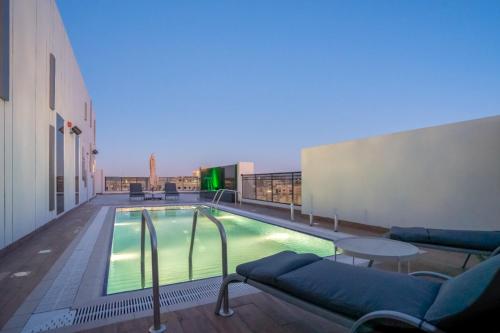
<point x="480" y="243"/>
<point x="355" y="296"/>
<point x="171" y="190"/>
<point x="136" y="191"/>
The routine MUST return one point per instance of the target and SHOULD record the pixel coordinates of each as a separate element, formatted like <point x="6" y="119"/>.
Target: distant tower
<point x="153" y="180"/>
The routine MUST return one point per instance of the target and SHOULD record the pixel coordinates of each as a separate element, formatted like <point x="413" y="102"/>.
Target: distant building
<point x="153" y="180"/>
<point x="183" y="183"/>
<point x="122" y="184"/>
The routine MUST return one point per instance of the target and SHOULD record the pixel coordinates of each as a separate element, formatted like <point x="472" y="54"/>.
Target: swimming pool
<point x="247" y="239"/>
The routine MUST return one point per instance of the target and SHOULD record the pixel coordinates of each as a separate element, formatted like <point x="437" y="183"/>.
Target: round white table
<point x="378" y="249"/>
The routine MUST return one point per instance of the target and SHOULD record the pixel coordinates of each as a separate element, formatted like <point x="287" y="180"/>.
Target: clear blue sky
<point x="214" y="82"/>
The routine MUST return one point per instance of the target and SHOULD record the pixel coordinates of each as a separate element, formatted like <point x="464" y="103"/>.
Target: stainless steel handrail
<point x="215" y="196"/>
<point x="237" y="193"/>
<point x="225" y="311"/>
<point x="157" y="327"/>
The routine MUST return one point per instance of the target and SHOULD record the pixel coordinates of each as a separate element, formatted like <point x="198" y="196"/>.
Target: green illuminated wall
<point x="213" y="179"/>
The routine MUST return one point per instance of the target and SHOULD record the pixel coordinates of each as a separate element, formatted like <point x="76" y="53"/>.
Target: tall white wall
<point x="36" y="30"/>
<point x="99" y="181"/>
<point x="439" y="177"/>
<point x="243" y="168"/>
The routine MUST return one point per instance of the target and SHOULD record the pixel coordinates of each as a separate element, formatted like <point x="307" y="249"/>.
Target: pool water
<point x="247" y="240"/>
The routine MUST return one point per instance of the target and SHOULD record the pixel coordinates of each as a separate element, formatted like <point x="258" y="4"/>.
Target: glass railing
<point x="282" y="187"/>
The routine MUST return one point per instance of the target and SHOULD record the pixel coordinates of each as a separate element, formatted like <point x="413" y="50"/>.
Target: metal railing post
<point x="193" y="231"/>
<point x="157" y="327"/>
<point x="311" y="212"/>
<point x="236" y="193"/>
<point x="292" y="212"/>
<point x="143" y="231"/>
<point x="215" y="196"/>
<point x="225" y="311"/>
<point x="272" y="188"/>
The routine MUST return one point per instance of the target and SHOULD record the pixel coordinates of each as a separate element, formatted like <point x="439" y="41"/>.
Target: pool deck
<point x="26" y="265"/>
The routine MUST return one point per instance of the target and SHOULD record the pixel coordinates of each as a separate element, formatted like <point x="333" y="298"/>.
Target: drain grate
<point x="112" y="309"/>
<point x="190" y="296"/>
<point x="144" y="303"/>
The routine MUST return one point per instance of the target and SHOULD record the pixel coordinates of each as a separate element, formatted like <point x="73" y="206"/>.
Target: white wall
<point x="440" y="177"/>
<point x="243" y="168"/>
<point x="37" y="30"/>
<point x="99" y="181"/>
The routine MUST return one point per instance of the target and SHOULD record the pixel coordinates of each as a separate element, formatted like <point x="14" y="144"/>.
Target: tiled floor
<point x="66" y="284"/>
<point x="254" y="313"/>
<point x="26" y="258"/>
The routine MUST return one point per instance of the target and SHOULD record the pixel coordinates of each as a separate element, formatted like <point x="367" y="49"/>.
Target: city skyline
<point x="219" y="82"/>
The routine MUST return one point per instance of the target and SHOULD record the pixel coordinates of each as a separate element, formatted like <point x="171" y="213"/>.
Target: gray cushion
<point x="470" y="301"/>
<point x="418" y="235"/>
<point x="355" y="291"/>
<point x="171" y="188"/>
<point x="267" y="269"/>
<point x="136" y="187"/>
<point x="465" y="239"/>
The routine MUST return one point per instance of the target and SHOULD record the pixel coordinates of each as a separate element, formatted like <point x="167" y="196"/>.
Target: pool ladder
<point x="146" y="221"/>
<point x="225" y="311"/>
<point x="221" y="191"/>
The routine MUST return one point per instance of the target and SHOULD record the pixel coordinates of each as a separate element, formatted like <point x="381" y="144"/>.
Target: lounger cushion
<point x="171" y="188"/>
<point x="267" y="269"/>
<point x="418" y="235"/>
<point x="136" y="188"/>
<point x="465" y="239"/>
<point x="469" y="300"/>
<point x="355" y="291"/>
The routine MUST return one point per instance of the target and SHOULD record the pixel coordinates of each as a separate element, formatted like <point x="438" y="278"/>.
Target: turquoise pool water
<point x="247" y="240"/>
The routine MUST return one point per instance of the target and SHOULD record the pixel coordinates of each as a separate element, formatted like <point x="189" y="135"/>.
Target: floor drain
<point x="20" y="274"/>
<point x="44" y="251"/>
<point x="191" y="296"/>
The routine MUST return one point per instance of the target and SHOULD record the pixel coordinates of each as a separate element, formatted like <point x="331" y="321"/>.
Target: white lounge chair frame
<point x="340" y="319"/>
<point x="481" y="254"/>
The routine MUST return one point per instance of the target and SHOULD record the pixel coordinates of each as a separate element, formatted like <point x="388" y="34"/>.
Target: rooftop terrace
<point x="29" y="268"/>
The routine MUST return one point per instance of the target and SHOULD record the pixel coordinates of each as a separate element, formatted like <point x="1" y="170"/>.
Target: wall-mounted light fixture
<point x="76" y="130"/>
<point x="95" y="152"/>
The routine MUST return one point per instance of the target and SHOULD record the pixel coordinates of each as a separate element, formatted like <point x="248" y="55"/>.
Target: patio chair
<point x="136" y="191"/>
<point x="355" y="296"/>
<point x="480" y="243"/>
<point x="171" y="190"/>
